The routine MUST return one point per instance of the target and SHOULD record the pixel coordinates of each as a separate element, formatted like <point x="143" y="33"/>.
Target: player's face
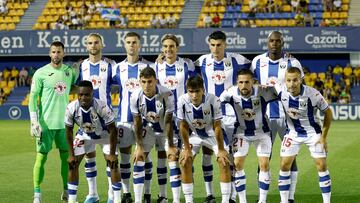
<point x="85" y="96"/>
<point x="217" y="47"/>
<point x="148" y="85"/>
<point x="169" y="48"/>
<point x="293" y="83"/>
<point x="56" y="54"/>
<point x="196" y="95"/>
<point x="132" y="46"/>
<point x="275" y="43"/>
<point x="94" y="45"/>
<point x="245" y="84"/>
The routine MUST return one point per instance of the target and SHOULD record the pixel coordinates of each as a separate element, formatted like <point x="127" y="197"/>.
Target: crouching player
<point x="96" y="123"/>
<point x="201" y="113"/>
<point x="301" y="103"/>
<point x="249" y="102"/>
<point x="152" y="107"/>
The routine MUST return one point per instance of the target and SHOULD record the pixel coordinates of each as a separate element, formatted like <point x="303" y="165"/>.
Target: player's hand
<point x="322" y="141"/>
<point x="160" y="59"/>
<point x="185" y="156"/>
<point x="139" y="154"/>
<point x="112" y="161"/>
<point x="223" y="157"/>
<point x="72" y="162"/>
<point x="35" y="129"/>
<point x="173" y="153"/>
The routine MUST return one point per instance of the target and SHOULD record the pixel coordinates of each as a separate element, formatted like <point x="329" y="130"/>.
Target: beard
<point x="56" y="61"/>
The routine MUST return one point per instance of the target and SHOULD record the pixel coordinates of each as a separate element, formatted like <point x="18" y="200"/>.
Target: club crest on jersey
<point x="94" y="116"/>
<point x="158" y="104"/>
<point x="96" y="81"/>
<point x="198" y="123"/>
<point x="102" y="67"/>
<point x="227" y="64"/>
<point x="206" y="112"/>
<point x="132" y="84"/>
<point x="171" y="82"/>
<point x="67" y="73"/>
<point x="60" y="87"/>
<point x="293" y="113"/>
<point x="303" y="104"/>
<point x="283" y="65"/>
<point x="218" y="77"/>
<point x="248" y="114"/>
<point x="180" y="69"/>
<point x="152" y="117"/>
<point x="256" y="102"/>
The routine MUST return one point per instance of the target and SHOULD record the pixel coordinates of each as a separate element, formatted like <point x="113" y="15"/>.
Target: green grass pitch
<point x="17" y="156"/>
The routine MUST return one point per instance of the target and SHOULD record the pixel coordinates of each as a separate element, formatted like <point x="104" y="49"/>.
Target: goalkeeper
<point x="52" y="84"/>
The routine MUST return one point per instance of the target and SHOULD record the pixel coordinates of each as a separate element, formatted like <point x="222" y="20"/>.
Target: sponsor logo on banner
<point x="233" y="40"/>
<point x="343" y="112"/>
<point x="326" y="39"/>
<point x="10" y="43"/>
<point x="14" y="112"/>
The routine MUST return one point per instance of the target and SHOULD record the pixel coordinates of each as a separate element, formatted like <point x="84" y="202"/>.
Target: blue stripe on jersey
<point x="171" y="71"/>
<point x="297" y="125"/>
<point x="203" y="73"/>
<point x="86" y="116"/>
<point x="132" y="73"/>
<point x="265" y="126"/>
<point x="219" y="88"/>
<point x="94" y="70"/>
<point x="108" y="84"/>
<point x="257" y="71"/>
<point x="150" y="106"/>
<point x="250" y="125"/>
<point x="198" y="114"/>
<point x="274" y="106"/>
<point x="289" y="64"/>
<point x="236" y="68"/>
<point x="311" y="117"/>
<point x="80" y="78"/>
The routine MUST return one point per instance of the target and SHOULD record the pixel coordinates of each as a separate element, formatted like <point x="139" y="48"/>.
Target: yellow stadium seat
<point x="138" y="10"/>
<point x="57" y="4"/>
<point x="149" y="3"/>
<point x="7" y="90"/>
<point x="173" y="2"/>
<point x="50" y="4"/>
<point x="20" y="12"/>
<point x="335" y="15"/>
<point x="283" y="22"/>
<point x="343" y="15"/>
<point x="213" y="9"/>
<point x="291" y="23"/>
<point x="345" y="1"/>
<point x="274" y="23"/>
<point x="146" y="9"/>
<point x="181" y="2"/>
<point x="16" y="19"/>
<point x="147" y="24"/>
<point x="92" y="25"/>
<point x="245" y="9"/>
<point x="163" y="9"/>
<point x="246" y="2"/>
<point x="322" y="76"/>
<point x="286" y="8"/>
<point x="24" y="5"/>
<point x="313" y="76"/>
<point x="96" y="17"/>
<point x="12" y="12"/>
<point x="326" y="15"/>
<point x="165" y="2"/>
<point x="200" y="24"/>
<point x="36" y="26"/>
<point x="3" y="83"/>
<point x="1" y="19"/>
<point x="11" y="84"/>
<point x="266" y="23"/>
<point x="206" y="9"/>
<point x="176" y="16"/>
<point x="130" y="10"/>
<point x="132" y="24"/>
<point x="17" y="5"/>
<point x="259" y="23"/>
<point x="46" y="11"/>
<point x="178" y="9"/>
<point x="157" y="2"/>
<point x="11" y="26"/>
<point x="345" y="7"/>
<point x="10" y="5"/>
<point x="154" y="10"/>
<point x="3" y="26"/>
<point x="221" y="9"/>
<point x="139" y="24"/>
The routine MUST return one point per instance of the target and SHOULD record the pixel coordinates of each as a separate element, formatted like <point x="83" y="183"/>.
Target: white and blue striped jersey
<point x="93" y="121"/>
<point x="100" y="74"/>
<point x="127" y="77"/>
<point x="220" y="75"/>
<point x="174" y="76"/>
<point x="250" y="112"/>
<point x="266" y="70"/>
<point x="153" y="110"/>
<point x="200" y="119"/>
<point x="301" y="110"/>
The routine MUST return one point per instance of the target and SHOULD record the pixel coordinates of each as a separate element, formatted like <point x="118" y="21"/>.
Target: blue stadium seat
<point x="236" y="15"/>
<point x="278" y="15"/>
<point x="320" y="7"/>
<point x="314" y="2"/>
<point x="243" y="16"/>
<point x="318" y="15"/>
<point x="269" y="15"/>
<point x="286" y="15"/>
<point x="227" y="23"/>
<point x="317" y="22"/>
<point x="228" y="16"/>
<point x="260" y="16"/>
<point x="313" y="8"/>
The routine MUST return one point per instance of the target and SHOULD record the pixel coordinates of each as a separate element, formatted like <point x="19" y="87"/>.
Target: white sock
<point x="284" y="185"/>
<point x="240" y="185"/>
<point x="72" y="190"/>
<point x="325" y="185"/>
<point x="110" y="190"/>
<point x="175" y="180"/>
<point x="139" y="178"/>
<point x="91" y="173"/>
<point x="208" y="174"/>
<point x="125" y="171"/>
<point x="117" y="192"/>
<point x="148" y="175"/>
<point x="264" y="183"/>
<point x="162" y="177"/>
<point x="188" y="192"/>
<point x="293" y="178"/>
<point x="233" y="189"/>
<point x="225" y="192"/>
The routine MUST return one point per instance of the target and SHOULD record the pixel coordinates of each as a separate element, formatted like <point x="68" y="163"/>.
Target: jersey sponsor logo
<point x="88" y="127"/>
<point x="96" y="81"/>
<point x="171" y="82"/>
<point x="60" y="87"/>
<point x="67" y="73"/>
<point x="293" y="113"/>
<point x="209" y="64"/>
<point x="132" y="84"/>
<point x="271" y="81"/>
<point x="198" y="123"/>
<point x="248" y="114"/>
<point x="152" y="117"/>
<point x="218" y="77"/>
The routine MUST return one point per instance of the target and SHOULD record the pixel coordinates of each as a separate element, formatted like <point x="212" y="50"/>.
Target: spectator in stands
<point x="299" y="18"/>
<point x="216" y="3"/>
<point x="344" y="97"/>
<point x="308" y="20"/>
<point x="252" y="14"/>
<point x="207" y="20"/>
<point x="338" y="70"/>
<point x="278" y="5"/>
<point x="294" y="5"/>
<point x="253" y="4"/>
<point x="3" y="7"/>
<point x="2" y="96"/>
<point x="60" y="25"/>
<point x="31" y="74"/>
<point x="348" y="70"/>
<point x="92" y="7"/>
<point x="6" y="74"/>
<point x="319" y="85"/>
<point x="328" y="4"/>
<point x="357" y="76"/>
<point x="99" y="7"/>
<point x="154" y="21"/>
<point x="162" y="21"/>
<point x="328" y="72"/>
<point x="14" y="75"/>
<point x="303" y="5"/>
<point x="336" y="5"/>
<point x="171" y="21"/>
<point x="123" y="22"/>
<point x="216" y="21"/>
<point x="23" y="77"/>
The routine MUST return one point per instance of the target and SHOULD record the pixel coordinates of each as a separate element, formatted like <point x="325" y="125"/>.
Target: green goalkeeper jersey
<point x="53" y="87"/>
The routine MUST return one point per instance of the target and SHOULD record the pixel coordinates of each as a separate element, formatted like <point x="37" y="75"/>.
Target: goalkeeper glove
<point x="36" y="129"/>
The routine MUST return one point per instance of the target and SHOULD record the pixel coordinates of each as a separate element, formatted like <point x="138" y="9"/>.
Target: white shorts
<point x="83" y="145"/>
<point x="290" y="146"/>
<point x="262" y="144"/>
<point x="197" y="142"/>
<point x="151" y="139"/>
<point x="125" y="134"/>
<point x="227" y="124"/>
<point x="277" y="126"/>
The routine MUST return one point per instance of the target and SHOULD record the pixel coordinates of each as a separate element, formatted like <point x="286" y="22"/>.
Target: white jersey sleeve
<point x="217" y="108"/>
<point x="69" y="114"/>
<point x="180" y="107"/>
<point x="320" y="101"/>
<point x="170" y="106"/>
<point x="105" y="112"/>
<point x="268" y="93"/>
<point x="134" y="101"/>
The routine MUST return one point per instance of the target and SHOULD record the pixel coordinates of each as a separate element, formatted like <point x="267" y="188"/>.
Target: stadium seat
<point x="11" y="26"/>
<point x="345" y="7"/>
<point x="335" y="15"/>
<point x="274" y="23"/>
<point x="343" y="15"/>
<point x="326" y="15"/>
<point x="286" y="8"/>
<point x="3" y="83"/>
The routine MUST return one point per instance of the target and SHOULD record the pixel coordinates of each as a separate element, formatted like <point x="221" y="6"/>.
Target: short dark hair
<point x="277" y="33"/>
<point x="147" y="73"/>
<point x="171" y="37"/>
<point x="217" y="35"/>
<point x="85" y="83"/>
<point x="57" y="44"/>
<point x="195" y="82"/>
<point x="245" y="72"/>
<point x="293" y="70"/>
<point x="133" y="34"/>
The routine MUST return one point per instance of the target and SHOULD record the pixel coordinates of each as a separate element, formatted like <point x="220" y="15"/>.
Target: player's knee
<point x="285" y="165"/>
<point x="238" y="165"/>
<point x="321" y="165"/>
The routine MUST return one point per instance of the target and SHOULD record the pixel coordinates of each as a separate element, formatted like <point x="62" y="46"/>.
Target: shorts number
<point x="78" y="143"/>
<point x="236" y="140"/>
<point x="121" y="132"/>
<point x="287" y="142"/>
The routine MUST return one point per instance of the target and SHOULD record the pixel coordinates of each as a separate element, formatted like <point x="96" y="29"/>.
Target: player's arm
<point x="112" y="160"/>
<point x="139" y="152"/>
<point x="186" y="152"/>
<point x="36" y="88"/>
<point x="222" y="156"/>
<point x="326" y="127"/>
<point x="168" y="118"/>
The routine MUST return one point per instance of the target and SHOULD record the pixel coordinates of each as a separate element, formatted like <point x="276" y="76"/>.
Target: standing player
<point x="96" y="123"/>
<point x="268" y="67"/>
<point x="249" y="103"/>
<point x="219" y="69"/>
<point x="172" y="73"/>
<point x="52" y="83"/>
<point x="98" y="70"/>
<point x="200" y="112"/>
<point x="152" y="107"/>
<point x="126" y="76"/>
<point x="301" y="103"/>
